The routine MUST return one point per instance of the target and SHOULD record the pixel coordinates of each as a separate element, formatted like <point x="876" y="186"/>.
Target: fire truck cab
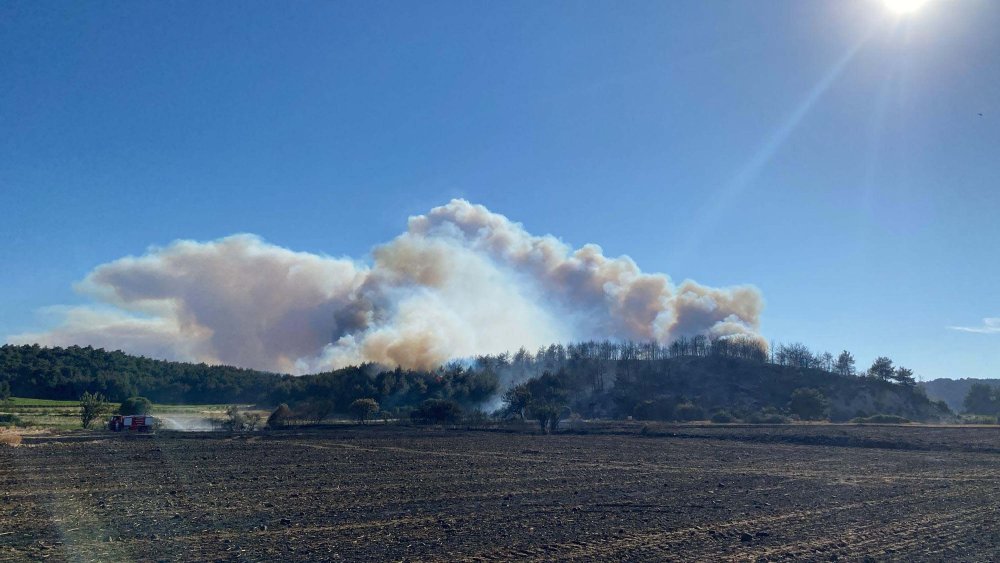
<point x="131" y="423"/>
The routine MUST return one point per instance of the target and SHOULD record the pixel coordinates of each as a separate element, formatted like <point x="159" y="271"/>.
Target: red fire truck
<point x="131" y="423"/>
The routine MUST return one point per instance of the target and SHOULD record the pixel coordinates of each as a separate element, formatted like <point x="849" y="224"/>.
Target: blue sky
<point x="839" y="156"/>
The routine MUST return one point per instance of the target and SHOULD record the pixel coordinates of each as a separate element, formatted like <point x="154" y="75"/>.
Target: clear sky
<point x="839" y="155"/>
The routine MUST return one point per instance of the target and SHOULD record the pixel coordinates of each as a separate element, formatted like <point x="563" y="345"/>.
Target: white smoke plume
<point x="460" y="281"/>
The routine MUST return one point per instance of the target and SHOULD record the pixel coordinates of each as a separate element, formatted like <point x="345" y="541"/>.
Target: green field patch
<point x="49" y="413"/>
<point x="28" y="402"/>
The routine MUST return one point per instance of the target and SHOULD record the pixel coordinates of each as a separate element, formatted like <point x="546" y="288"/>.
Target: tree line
<point x="698" y="378"/>
<point x="689" y="378"/>
<point x="68" y="373"/>
<point x="983" y="399"/>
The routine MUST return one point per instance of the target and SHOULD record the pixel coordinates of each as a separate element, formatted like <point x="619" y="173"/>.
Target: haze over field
<point x="460" y="281"/>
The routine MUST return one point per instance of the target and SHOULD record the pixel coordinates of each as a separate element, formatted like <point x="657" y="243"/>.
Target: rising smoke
<point x="460" y="281"/>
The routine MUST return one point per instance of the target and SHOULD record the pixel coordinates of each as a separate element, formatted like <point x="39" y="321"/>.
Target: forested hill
<point x="954" y="391"/>
<point x="65" y="373"/>
<point x="743" y="387"/>
<point x="688" y="380"/>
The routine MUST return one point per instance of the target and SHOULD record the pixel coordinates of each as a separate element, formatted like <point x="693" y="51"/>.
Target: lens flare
<point x="904" y="6"/>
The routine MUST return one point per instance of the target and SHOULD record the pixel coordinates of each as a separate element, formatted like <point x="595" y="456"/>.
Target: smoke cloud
<point x="459" y="281"/>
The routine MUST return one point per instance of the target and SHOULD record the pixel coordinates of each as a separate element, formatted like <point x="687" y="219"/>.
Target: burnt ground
<point x="394" y="493"/>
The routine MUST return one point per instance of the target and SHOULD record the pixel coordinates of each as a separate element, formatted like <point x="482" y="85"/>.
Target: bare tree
<point x="795" y="355"/>
<point x="826" y="361"/>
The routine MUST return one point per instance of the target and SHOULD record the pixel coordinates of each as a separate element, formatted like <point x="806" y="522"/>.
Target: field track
<point x="387" y="493"/>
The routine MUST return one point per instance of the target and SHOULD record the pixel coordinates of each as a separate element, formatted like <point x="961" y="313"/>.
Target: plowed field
<point x="393" y="493"/>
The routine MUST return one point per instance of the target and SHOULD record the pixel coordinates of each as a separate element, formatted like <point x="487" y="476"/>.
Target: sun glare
<point x="904" y="6"/>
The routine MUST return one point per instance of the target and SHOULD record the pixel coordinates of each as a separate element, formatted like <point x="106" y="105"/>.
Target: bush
<point x="688" y="412"/>
<point x="280" y="417"/>
<point x="476" y="418"/>
<point x="135" y="405"/>
<point x="241" y="421"/>
<point x="978" y="419"/>
<point x="315" y="411"/>
<point x="880" y="419"/>
<point x="92" y="406"/>
<point x="656" y="409"/>
<point x="841" y="415"/>
<point x="722" y="417"/>
<point x="12" y="420"/>
<point x="809" y="404"/>
<point x="401" y="414"/>
<point x="252" y="421"/>
<point x="436" y="411"/>
<point x="767" y="417"/>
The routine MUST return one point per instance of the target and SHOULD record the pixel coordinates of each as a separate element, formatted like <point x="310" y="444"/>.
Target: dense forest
<point x="690" y="379"/>
<point x="66" y="373"/>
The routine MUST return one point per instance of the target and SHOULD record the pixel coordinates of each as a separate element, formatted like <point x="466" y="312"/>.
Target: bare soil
<point x="714" y="493"/>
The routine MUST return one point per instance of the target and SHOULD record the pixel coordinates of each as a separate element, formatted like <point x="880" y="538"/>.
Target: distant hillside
<point x="953" y="391"/>
<point x="744" y="386"/>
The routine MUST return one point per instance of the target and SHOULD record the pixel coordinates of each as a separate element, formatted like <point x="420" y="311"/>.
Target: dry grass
<point x="10" y="439"/>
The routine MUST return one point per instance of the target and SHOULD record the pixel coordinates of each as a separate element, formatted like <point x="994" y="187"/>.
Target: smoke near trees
<point x="460" y="281"/>
<point x="687" y="380"/>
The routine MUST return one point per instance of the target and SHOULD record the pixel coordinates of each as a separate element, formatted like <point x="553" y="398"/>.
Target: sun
<point x="904" y="6"/>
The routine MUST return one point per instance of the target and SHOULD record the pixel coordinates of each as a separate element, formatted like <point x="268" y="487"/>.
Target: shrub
<point x="280" y="417"/>
<point x="92" y="406"/>
<point x="546" y="414"/>
<point x="978" y="419"/>
<point x="767" y="417"/>
<point x="982" y="399"/>
<point x="401" y="414"/>
<point x="476" y="418"/>
<point x="240" y="421"/>
<point x="252" y="421"/>
<point x="841" y="415"/>
<point x="12" y="420"/>
<point x="656" y="409"/>
<point x="688" y="412"/>
<point x="809" y="404"/>
<point x="315" y="411"/>
<point x="722" y="417"/>
<point x="436" y="411"/>
<point x="941" y="405"/>
<point x="135" y="405"/>
<point x="363" y="409"/>
<point x="880" y="419"/>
